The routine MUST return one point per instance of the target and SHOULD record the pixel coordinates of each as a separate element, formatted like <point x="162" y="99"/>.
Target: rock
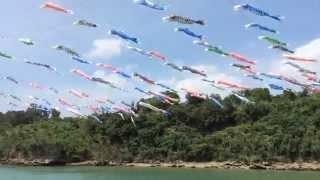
<point x="267" y="163"/>
<point x="102" y="163"/>
<point x="230" y="165"/>
<point x="112" y="163"/>
<point x="173" y="165"/>
<point x="180" y="166"/>
<point x="257" y="166"/>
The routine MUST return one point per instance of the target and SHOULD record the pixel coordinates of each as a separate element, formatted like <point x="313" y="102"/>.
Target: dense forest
<point x="275" y="128"/>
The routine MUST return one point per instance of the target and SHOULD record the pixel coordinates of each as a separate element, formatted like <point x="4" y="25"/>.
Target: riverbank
<point x="296" y="166"/>
<point x="234" y="165"/>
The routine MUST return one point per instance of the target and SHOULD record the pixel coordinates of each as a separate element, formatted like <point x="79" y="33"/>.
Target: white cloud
<point x="105" y="49"/>
<point x="312" y="49"/>
<point x="309" y="50"/>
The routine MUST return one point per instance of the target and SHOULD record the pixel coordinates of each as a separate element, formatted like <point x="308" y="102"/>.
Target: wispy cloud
<point x="105" y="49"/>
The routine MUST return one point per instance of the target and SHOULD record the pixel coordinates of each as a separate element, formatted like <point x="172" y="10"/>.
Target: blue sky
<point x="225" y="27"/>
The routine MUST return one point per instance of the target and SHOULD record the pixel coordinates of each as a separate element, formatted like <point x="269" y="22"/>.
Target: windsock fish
<point x="56" y="7"/>
<point x="297" y="58"/>
<point x="9" y="78"/>
<point x="151" y="107"/>
<point x="104" y="101"/>
<point x="54" y="90"/>
<point x="240" y="66"/>
<point x="255" y="77"/>
<point x="127" y="104"/>
<point x="194" y="71"/>
<point x="78" y="93"/>
<point x="174" y="66"/>
<point x="80" y="60"/>
<point x="164" y="96"/>
<point x="4" y="55"/>
<point x="106" y="66"/>
<point x="94" y="109"/>
<point x="273" y="41"/>
<point x="195" y="94"/>
<point x="46" y="66"/>
<point x="65" y="102"/>
<point x="271" y="76"/>
<point x="161" y="98"/>
<point x="242" y="98"/>
<point x="123" y="74"/>
<point x="75" y="112"/>
<point x="183" y="20"/>
<point x="36" y="86"/>
<point x="188" y="32"/>
<point x="34" y="98"/>
<point x="95" y="118"/>
<point x="261" y="27"/>
<point x="216" y="101"/>
<point x="295" y="82"/>
<point x="150" y="4"/>
<point x="15" y="98"/>
<point x="202" y="43"/>
<point x="123" y="35"/>
<point x="218" y="87"/>
<point x="106" y="82"/>
<point x="66" y="50"/>
<point x="13" y="104"/>
<point x="157" y="55"/>
<point x="81" y="74"/>
<point x="217" y="50"/>
<point x="282" y="48"/>
<point x="45" y="101"/>
<point x="311" y="77"/>
<point x="165" y="87"/>
<point x="138" y="50"/>
<point x="299" y="68"/>
<point x="101" y="100"/>
<point x="256" y="11"/>
<point x="86" y="23"/>
<point x="231" y="85"/>
<point x="208" y="81"/>
<point x="26" y="41"/>
<point x="275" y="87"/>
<point x="247" y="69"/>
<point x="120" y="110"/>
<point x="241" y="58"/>
<point x="144" y="78"/>
<point x="142" y="91"/>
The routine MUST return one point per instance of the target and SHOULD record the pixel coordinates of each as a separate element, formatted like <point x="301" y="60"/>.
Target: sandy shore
<point x="301" y="166"/>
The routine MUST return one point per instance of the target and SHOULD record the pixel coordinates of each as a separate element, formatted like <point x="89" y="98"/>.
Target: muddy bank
<point x="301" y="166"/>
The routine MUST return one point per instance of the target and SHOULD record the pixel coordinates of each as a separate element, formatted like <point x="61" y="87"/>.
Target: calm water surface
<point x="106" y="173"/>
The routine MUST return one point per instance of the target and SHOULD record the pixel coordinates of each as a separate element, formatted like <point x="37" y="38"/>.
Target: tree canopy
<point x="274" y="128"/>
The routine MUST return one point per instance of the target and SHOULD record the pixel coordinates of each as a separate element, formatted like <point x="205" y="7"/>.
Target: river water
<point x="107" y="173"/>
